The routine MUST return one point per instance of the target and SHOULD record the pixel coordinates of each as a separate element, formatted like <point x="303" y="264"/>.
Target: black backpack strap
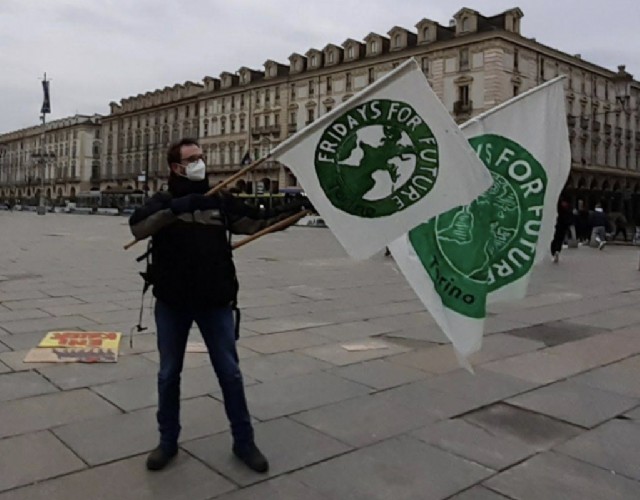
<point x="234" y="304"/>
<point x="236" y="313"/>
<point x="146" y="276"/>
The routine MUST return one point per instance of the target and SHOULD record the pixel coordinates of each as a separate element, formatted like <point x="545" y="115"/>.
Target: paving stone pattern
<point x="553" y="410"/>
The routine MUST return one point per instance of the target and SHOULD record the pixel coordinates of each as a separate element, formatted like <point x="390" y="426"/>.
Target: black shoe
<point x="160" y="457"/>
<point x="252" y="457"/>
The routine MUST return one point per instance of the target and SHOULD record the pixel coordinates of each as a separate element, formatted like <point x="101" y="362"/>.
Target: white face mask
<point x="195" y="171"/>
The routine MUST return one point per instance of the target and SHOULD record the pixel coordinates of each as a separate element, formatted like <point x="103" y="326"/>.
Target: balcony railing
<point x="584" y="122"/>
<point x="462" y="107"/>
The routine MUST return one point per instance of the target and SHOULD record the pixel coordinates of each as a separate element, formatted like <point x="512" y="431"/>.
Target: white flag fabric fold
<point x="384" y="161"/>
<point x="485" y="251"/>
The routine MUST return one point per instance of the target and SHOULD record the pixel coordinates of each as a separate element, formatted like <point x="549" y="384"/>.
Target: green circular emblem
<point x="473" y="250"/>
<point x="377" y="159"/>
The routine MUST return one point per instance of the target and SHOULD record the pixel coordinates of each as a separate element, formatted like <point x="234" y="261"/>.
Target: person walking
<point x="620" y="226"/>
<point x="582" y="223"/>
<point x="599" y="223"/>
<point x="194" y="280"/>
<point x="564" y="221"/>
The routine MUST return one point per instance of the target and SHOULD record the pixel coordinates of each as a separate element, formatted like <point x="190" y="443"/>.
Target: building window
<point x="292" y="117"/>
<point x="222" y="105"/>
<point x="232" y="122"/>
<point x="329" y="85"/>
<point x="257" y="122"/>
<point x="350" y="52"/>
<point x="241" y="124"/>
<point x="277" y="94"/>
<point x="329" y="108"/>
<point x="397" y="41"/>
<point x="330" y="57"/>
<point x="372" y="75"/>
<point x="293" y="91"/>
<point x="465" y="24"/>
<point x="241" y="101"/>
<point x="233" y="102"/>
<point x="276" y="119"/>
<point x="516" y="60"/>
<point x="349" y="82"/>
<point x="424" y="62"/>
<point x="267" y="121"/>
<point x="464" y="59"/>
<point x="516" y="90"/>
<point x="310" y="115"/>
<point x="463" y="94"/>
<point x="313" y="61"/>
<point x="541" y="69"/>
<point x="267" y="97"/>
<point x="425" y="33"/>
<point x="311" y="88"/>
<point x="205" y="129"/>
<point x="374" y="47"/>
<point x="222" y="126"/>
<point x="186" y="113"/>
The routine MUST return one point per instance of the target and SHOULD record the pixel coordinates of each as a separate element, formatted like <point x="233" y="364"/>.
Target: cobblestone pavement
<point x="553" y="411"/>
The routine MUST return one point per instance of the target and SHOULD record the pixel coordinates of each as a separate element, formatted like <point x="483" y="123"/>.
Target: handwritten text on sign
<point x="104" y="340"/>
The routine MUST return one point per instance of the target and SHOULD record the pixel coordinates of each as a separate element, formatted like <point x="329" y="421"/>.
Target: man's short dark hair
<point x="173" y="154"/>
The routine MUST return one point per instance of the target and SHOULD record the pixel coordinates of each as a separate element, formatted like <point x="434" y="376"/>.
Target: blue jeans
<point x="217" y="328"/>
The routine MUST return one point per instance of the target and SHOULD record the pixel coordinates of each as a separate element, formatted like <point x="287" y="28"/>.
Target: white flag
<point x="383" y="162"/>
<point x="485" y="251"/>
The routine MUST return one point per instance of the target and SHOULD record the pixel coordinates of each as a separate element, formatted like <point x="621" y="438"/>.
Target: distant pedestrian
<point x="564" y="221"/>
<point x="621" y="226"/>
<point x="599" y="223"/>
<point x="582" y="223"/>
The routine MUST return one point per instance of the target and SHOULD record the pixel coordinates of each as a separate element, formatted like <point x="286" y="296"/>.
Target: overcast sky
<point x="97" y="51"/>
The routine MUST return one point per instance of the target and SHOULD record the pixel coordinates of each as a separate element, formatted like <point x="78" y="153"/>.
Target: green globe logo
<point x="473" y="250"/>
<point x="460" y="230"/>
<point x="377" y="159"/>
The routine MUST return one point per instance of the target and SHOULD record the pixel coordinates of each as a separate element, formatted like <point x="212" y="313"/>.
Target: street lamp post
<point x="622" y="82"/>
<point x="46" y="108"/>
<point x="43" y="162"/>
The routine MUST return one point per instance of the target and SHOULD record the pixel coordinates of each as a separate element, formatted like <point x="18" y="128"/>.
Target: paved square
<point x="553" y="409"/>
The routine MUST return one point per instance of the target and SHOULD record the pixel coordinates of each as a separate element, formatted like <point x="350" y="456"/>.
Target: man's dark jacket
<point x="191" y="256"/>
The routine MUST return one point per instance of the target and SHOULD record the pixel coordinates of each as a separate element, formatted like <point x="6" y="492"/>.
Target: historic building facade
<point x="60" y="167"/>
<point x="473" y="64"/>
<point x="137" y="132"/>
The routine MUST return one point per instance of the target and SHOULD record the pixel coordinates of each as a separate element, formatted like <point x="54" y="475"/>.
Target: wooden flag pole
<point x="283" y="224"/>
<point x="218" y="187"/>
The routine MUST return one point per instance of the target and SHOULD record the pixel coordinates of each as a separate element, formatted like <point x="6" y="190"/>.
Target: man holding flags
<point x="194" y="280"/>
